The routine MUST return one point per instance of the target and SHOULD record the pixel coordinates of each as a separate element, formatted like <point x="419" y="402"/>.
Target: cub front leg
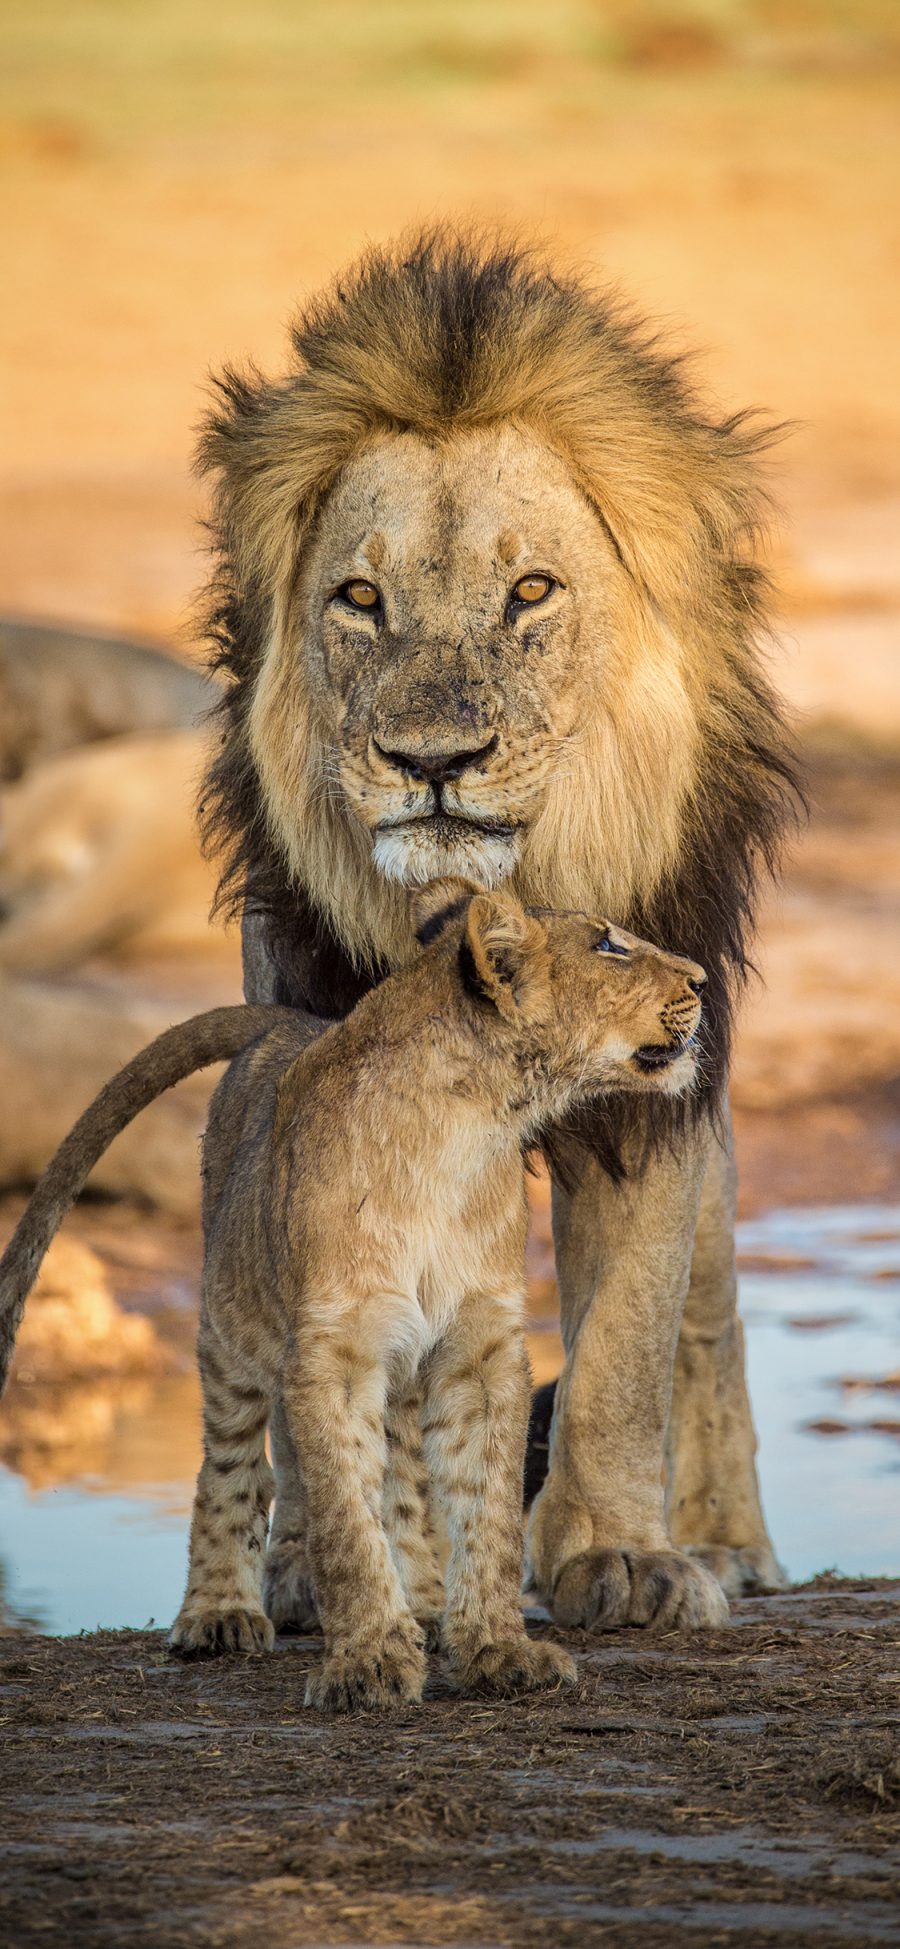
<point x="598" y="1548"/>
<point x="222" y="1608"/>
<point x="474" y="1425"/>
<point x="714" y="1503"/>
<point x="334" y="1395"/>
<point x="407" y="1512"/>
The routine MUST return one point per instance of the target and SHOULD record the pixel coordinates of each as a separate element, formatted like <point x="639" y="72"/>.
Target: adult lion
<point x="485" y="602"/>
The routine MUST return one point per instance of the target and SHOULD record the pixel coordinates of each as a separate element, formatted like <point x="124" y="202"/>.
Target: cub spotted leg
<point x="288" y="1594"/>
<point x="407" y="1514"/>
<point x="334" y="1397"/>
<point x="222" y="1608"/>
<point x="599" y="1550"/>
<point x="715" y="1510"/>
<point x="475" y="1420"/>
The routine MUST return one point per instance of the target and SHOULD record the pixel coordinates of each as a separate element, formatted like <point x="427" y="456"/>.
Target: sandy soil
<point x="742" y="1788"/>
<point x="174" y="189"/>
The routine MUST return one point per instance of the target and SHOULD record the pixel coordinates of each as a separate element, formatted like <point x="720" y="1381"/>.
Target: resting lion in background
<point x="63" y="687"/>
<point x="99" y="857"/>
<point x="59" y="1041"/>
<point x="486" y="604"/>
<point x="98" y="854"/>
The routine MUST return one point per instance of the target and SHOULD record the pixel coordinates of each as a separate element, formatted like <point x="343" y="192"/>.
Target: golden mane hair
<point x="448" y="333"/>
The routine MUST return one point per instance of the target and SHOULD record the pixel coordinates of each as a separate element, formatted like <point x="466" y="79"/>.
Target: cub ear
<point x="503" y="958"/>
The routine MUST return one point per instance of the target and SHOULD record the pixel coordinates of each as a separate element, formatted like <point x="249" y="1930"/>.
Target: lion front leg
<point x="714" y="1503"/>
<point x="599" y="1550"/>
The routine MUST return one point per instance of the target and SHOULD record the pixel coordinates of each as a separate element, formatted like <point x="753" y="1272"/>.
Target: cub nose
<point x="438" y="767"/>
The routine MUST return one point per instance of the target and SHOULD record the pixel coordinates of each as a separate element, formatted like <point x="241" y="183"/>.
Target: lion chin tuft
<point x="411" y="856"/>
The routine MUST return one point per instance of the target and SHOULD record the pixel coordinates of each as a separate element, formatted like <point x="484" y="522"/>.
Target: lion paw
<point x="514" y="1665"/>
<point x="206" y="1633"/>
<point x="740" y="1572"/>
<point x="376" y="1679"/>
<point x="287" y="1591"/>
<point x="659" y="1589"/>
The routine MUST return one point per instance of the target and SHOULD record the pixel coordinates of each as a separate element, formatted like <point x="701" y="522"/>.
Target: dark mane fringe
<point x="749" y="796"/>
<point x="436" y="311"/>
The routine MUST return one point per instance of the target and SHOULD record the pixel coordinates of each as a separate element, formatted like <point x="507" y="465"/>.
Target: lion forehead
<point x="490" y="499"/>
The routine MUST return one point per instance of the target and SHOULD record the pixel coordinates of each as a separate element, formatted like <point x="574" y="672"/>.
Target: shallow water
<point x="820" y="1295"/>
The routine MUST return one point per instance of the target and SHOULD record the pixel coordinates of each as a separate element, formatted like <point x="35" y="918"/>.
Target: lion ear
<point x="503" y="958"/>
<point x="432" y="907"/>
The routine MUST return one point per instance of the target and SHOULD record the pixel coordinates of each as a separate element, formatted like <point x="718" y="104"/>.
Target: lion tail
<point x="215" y="1036"/>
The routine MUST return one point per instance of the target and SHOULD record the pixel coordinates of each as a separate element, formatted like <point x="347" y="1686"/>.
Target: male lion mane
<point x="452" y="332"/>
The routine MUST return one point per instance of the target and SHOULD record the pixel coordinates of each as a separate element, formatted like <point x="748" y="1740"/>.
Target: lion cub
<point x="364" y="1216"/>
<point x="365" y="1229"/>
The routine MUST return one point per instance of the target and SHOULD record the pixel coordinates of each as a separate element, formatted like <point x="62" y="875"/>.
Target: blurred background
<point x="177" y="178"/>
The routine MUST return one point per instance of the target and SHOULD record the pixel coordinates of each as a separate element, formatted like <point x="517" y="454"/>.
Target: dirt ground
<point x="740" y="1787"/>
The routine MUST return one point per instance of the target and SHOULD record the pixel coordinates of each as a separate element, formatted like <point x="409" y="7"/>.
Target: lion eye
<point x="605" y="945"/>
<point x="531" y="589"/>
<point x="360" y="595"/>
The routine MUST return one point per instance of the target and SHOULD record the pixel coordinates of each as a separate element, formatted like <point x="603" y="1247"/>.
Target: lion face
<point x="458" y="643"/>
<point x="444" y="609"/>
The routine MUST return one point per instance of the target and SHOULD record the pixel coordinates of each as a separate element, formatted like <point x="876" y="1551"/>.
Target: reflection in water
<point x="130" y="1434"/>
<point x="95" y="1498"/>
<point x="823" y="1350"/>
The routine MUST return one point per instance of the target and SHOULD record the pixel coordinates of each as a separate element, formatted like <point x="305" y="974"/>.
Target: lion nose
<point x="697" y="983"/>
<point x="437" y="768"/>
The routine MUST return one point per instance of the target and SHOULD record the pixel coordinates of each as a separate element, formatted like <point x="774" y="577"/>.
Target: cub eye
<point x="360" y="595"/>
<point x="531" y="589"/>
<point x="607" y="946"/>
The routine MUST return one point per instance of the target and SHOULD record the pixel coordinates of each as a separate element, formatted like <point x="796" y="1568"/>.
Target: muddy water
<point x="94" y="1519"/>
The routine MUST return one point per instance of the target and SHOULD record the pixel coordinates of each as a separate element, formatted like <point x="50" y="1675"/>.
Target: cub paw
<point x="740" y="1573"/>
<point x="287" y="1591"/>
<point x="662" y="1590"/>
<point x="206" y="1633"/>
<point x="515" y="1665"/>
<point x="375" y="1679"/>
